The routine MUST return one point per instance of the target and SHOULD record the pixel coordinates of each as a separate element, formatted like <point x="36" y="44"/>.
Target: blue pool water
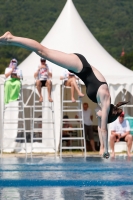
<point x="66" y="179"/>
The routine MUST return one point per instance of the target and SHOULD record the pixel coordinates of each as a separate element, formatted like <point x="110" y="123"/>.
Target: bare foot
<point x="50" y="100"/>
<point x="73" y="100"/>
<point x="4" y="38"/>
<point x="129" y="154"/>
<point x="81" y="94"/>
<point x="101" y="152"/>
<point x="41" y="99"/>
<point x="113" y="155"/>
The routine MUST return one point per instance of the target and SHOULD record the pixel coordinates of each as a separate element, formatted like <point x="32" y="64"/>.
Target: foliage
<point x="109" y="21"/>
<point x="127" y="60"/>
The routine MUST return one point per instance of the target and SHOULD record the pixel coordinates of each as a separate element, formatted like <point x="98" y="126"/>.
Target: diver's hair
<point x="115" y="111"/>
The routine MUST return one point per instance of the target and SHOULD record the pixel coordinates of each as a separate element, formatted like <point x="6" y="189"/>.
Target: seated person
<point x="70" y="80"/>
<point x="43" y="76"/>
<point x="120" y="131"/>
<point x="12" y="85"/>
<point x="66" y="133"/>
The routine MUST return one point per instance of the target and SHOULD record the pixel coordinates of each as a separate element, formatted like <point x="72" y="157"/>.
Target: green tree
<point x="127" y="60"/>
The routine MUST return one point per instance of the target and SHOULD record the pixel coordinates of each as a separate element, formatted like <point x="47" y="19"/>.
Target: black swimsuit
<point x="88" y="77"/>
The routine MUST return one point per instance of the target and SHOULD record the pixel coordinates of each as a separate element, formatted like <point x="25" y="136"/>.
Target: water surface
<point x="66" y="178"/>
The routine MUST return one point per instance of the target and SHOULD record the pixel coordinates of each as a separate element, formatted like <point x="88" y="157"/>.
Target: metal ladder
<point x="47" y="107"/>
<point x="20" y="121"/>
<point x="69" y="108"/>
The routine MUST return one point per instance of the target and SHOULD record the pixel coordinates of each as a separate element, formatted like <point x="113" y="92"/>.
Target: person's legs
<point x="68" y="61"/>
<point x="129" y="139"/>
<point x="16" y="85"/>
<point x="100" y="137"/>
<point x="104" y="130"/>
<point x="71" y="82"/>
<point x="75" y="86"/>
<point x="92" y="145"/>
<point x="7" y="89"/>
<point x="49" y="88"/>
<point x="91" y="137"/>
<point x="38" y="85"/>
<point x="105" y="106"/>
<point x="112" y="144"/>
<point x="99" y="114"/>
<point x="72" y="92"/>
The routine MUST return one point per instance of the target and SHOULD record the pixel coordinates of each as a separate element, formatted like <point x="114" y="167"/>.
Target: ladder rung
<point x="69" y="101"/>
<point x="42" y="102"/>
<point x="13" y="123"/>
<point x="72" y="138"/>
<point x="42" y="129"/>
<point x="28" y="106"/>
<point x="14" y="120"/>
<point x="73" y="147"/>
<point x="72" y="120"/>
<point x="13" y="107"/>
<point x="66" y="129"/>
<point x="11" y="148"/>
<point x="42" y="120"/>
<point x="41" y="110"/>
<point x="28" y="119"/>
<point x="22" y="138"/>
<point x="17" y="129"/>
<point x="43" y="148"/>
<point x="43" y="138"/>
<point x="70" y="107"/>
<point x="77" y="110"/>
<point x="27" y="131"/>
<point x="14" y="110"/>
<point x="36" y="106"/>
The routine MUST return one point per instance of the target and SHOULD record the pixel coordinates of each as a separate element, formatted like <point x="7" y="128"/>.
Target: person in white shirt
<point x="88" y="118"/>
<point x="12" y="84"/>
<point x="43" y="75"/>
<point x="120" y="131"/>
<point x="70" y="80"/>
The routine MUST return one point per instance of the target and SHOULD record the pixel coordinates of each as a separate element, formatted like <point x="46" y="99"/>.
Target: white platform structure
<point x="77" y="131"/>
<point x="70" y="34"/>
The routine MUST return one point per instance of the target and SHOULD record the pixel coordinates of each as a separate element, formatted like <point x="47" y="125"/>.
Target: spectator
<point x="43" y="75"/>
<point x="88" y="118"/>
<point x="12" y="85"/>
<point x="66" y="133"/>
<point x="70" y="80"/>
<point x="120" y="131"/>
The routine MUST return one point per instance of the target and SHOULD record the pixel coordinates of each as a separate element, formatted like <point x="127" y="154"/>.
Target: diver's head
<point x="115" y="111"/>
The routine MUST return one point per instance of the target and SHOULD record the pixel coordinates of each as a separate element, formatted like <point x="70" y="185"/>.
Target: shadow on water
<point x="66" y="178"/>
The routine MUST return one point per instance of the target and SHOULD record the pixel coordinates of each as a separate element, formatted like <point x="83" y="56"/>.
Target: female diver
<point x="96" y="86"/>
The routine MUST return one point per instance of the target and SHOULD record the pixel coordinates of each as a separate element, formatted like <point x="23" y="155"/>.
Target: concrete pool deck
<point x="64" y="154"/>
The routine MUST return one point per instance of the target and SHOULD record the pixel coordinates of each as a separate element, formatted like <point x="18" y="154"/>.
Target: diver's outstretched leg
<point x="68" y="61"/>
<point x="105" y="106"/>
